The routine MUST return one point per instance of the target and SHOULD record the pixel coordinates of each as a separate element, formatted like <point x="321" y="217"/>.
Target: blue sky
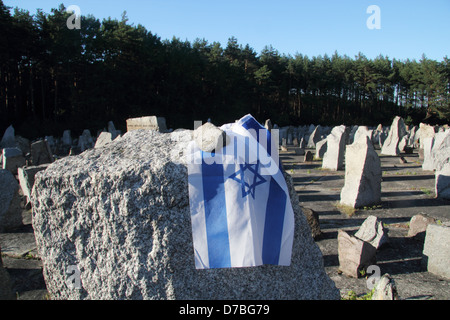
<point x="315" y="27"/>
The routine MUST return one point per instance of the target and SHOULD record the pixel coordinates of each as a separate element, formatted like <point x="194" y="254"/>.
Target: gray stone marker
<point x="103" y="139"/>
<point x="418" y="225"/>
<point x="147" y="123"/>
<point x="436" y="250"/>
<point x="67" y="138"/>
<point x="396" y="133"/>
<point x="372" y="231"/>
<point x="442" y="182"/>
<point x="362" y="175"/>
<point x="321" y="148"/>
<point x="41" y="153"/>
<point x="334" y="157"/>
<point x="8" y="139"/>
<point x="354" y="254"/>
<point x="314" y="137"/>
<point x="26" y="178"/>
<point x="12" y="158"/>
<point x="385" y="289"/>
<point x="120" y="216"/>
<point x="10" y="209"/>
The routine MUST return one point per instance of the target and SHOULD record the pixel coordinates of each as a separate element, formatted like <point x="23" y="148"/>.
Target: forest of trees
<point x="53" y="78"/>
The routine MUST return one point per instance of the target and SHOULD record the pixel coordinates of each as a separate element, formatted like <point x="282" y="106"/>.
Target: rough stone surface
<point x="354" y="254"/>
<point x="418" y="225"/>
<point x="147" y="123"/>
<point x="442" y="182"/>
<point x="209" y="137"/>
<point x="427" y="143"/>
<point x="313" y="220"/>
<point x="10" y="210"/>
<point x="362" y="175"/>
<point x="372" y="231"/>
<point x="334" y="157"/>
<point x="440" y="153"/>
<point x="41" y="153"/>
<point x="12" y="158"/>
<point x="314" y="137"/>
<point x="67" y="138"/>
<point x="8" y="140"/>
<point x="396" y="133"/>
<point x="103" y="139"/>
<point x="26" y="178"/>
<point x="120" y="215"/>
<point x="385" y="289"/>
<point x="436" y="250"/>
<point x="321" y="148"/>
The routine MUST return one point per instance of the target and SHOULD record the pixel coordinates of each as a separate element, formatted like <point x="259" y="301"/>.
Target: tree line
<point x="53" y="78"/>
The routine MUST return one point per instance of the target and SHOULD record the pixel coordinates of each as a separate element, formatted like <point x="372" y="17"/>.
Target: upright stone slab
<point x="321" y="148"/>
<point x="26" y="178"/>
<point x="362" y="131"/>
<point x="427" y="144"/>
<point x="41" y="153"/>
<point x="147" y="123"/>
<point x="8" y="140"/>
<point x="12" y="158"/>
<point x="334" y="157"/>
<point x="112" y="129"/>
<point x="10" y="209"/>
<point x="396" y="133"/>
<point x="354" y="254"/>
<point x="436" y="250"/>
<point x="425" y="131"/>
<point x="121" y="216"/>
<point x="314" y="137"/>
<point x="440" y="152"/>
<point x="103" y="139"/>
<point x="362" y="175"/>
<point x="442" y="182"/>
<point x="67" y="138"/>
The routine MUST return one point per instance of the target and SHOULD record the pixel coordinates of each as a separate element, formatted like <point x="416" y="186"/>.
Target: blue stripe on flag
<point x="273" y="226"/>
<point x="215" y="214"/>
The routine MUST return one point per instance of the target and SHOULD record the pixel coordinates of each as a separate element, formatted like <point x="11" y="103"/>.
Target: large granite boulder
<point x="114" y="223"/>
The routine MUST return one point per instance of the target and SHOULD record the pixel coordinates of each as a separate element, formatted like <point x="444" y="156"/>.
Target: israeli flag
<point x="241" y="211"/>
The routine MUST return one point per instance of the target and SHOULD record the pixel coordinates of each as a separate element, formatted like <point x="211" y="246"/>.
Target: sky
<point x="407" y="29"/>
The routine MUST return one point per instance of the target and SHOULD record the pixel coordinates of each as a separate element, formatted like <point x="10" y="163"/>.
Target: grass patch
<point x="345" y="209"/>
<point x="351" y="295"/>
<point x="428" y="192"/>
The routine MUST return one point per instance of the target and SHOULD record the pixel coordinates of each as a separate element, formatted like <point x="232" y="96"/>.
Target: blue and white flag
<point x="241" y="211"/>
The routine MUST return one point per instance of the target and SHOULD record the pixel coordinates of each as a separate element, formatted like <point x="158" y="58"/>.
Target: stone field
<point x="405" y="235"/>
<point x="406" y="190"/>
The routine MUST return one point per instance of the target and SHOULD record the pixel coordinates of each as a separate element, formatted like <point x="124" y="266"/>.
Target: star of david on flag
<point x="241" y="212"/>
